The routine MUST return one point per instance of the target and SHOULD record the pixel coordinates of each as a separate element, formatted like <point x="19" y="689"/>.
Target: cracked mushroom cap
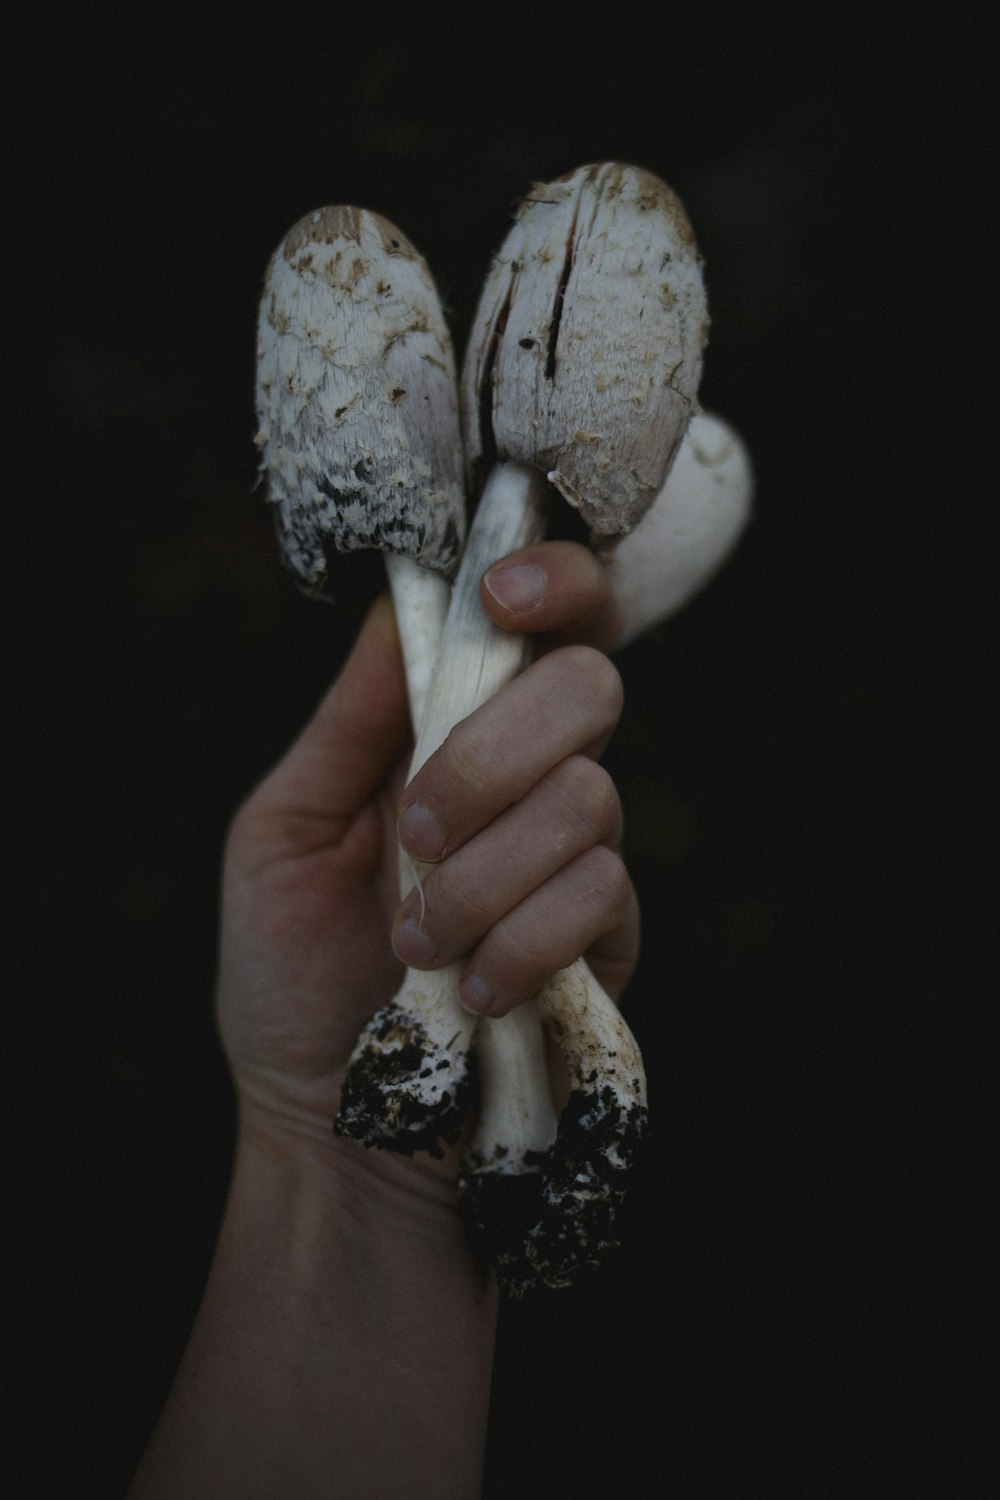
<point x="594" y="304"/>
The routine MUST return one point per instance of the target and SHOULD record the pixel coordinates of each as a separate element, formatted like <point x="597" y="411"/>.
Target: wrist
<point x="344" y="1331"/>
<point x="339" y="1192"/>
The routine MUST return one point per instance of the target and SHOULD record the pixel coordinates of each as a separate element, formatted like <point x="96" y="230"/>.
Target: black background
<point x="797" y="1303"/>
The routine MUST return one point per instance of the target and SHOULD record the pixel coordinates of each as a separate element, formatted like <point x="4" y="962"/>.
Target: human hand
<point x="529" y="871"/>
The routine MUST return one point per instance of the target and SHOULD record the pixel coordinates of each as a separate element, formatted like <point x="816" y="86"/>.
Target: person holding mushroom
<point x="345" y="1341"/>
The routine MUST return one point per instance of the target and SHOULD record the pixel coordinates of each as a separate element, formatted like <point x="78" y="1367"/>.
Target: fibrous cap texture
<point x="356" y="398"/>
<point x="586" y="348"/>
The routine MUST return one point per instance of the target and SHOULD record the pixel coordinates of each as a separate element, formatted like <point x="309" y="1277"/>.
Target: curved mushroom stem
<point x="542" y="1216"/>
<point x="409" y="1075"/>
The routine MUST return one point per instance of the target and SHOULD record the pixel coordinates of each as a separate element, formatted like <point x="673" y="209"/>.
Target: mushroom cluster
<point x="580" y="382"/>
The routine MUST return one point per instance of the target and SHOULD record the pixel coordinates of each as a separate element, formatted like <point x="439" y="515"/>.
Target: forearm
<point x="343" y="1346"/>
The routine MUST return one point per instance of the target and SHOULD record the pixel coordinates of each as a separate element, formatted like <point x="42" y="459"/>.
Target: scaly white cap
<point x="356" y="398"/>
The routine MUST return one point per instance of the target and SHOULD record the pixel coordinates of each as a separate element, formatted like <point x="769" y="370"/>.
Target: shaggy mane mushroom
<point x="581" y="380"/>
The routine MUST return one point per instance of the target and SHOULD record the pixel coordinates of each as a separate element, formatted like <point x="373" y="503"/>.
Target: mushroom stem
<point x="409" y="1075"/>
<point x="517" y="1119"/>
<point x="420" y="599"/>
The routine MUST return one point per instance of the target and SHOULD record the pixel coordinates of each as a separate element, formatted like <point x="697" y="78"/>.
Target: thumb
<point x="351" y="743"/>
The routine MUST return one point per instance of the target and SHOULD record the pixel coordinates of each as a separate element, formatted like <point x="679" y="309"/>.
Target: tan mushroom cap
<point x="586" y="348"/>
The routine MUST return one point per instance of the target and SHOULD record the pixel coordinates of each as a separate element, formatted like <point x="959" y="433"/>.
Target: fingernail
<point x="475" y="995"/>
<point x="411" y="945"/>
<point x="517" y="588"/>
<point x="417" y="831"/>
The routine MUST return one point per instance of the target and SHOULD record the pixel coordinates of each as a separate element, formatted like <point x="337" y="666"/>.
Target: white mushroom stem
<point x="515" y="1107"/>
<point x="420" y="599"/>
<point x="408" y="1078"/>
<point x="598" y="1046"/>
<point x="689" y="531"/>
<point x="517" y="1118"/>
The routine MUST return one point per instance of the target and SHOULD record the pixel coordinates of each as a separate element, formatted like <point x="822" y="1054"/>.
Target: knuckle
<point x="589" y="794"/>
<point x="515" y="952"/>
<point x="598" y="677"/>
<point x="455" y="907"/>
<point x="465" y="759"/>
<point x="611" y="883"/>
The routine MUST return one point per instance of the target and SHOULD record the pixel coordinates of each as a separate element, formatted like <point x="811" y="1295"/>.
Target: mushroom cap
<point x="586" y="348"/>
<point x="356" y="398"/>
<point x="689" y="531"/>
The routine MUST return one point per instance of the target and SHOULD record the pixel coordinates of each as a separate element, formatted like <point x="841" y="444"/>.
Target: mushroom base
<point x="543" y="1219"/>
<point x="403" y="1092"/>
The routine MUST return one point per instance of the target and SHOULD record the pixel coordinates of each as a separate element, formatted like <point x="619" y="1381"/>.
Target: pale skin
<point x="345" y="1340"/>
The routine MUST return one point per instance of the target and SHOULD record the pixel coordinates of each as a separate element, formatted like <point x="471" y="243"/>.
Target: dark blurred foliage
<point x="808" y="797"/>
